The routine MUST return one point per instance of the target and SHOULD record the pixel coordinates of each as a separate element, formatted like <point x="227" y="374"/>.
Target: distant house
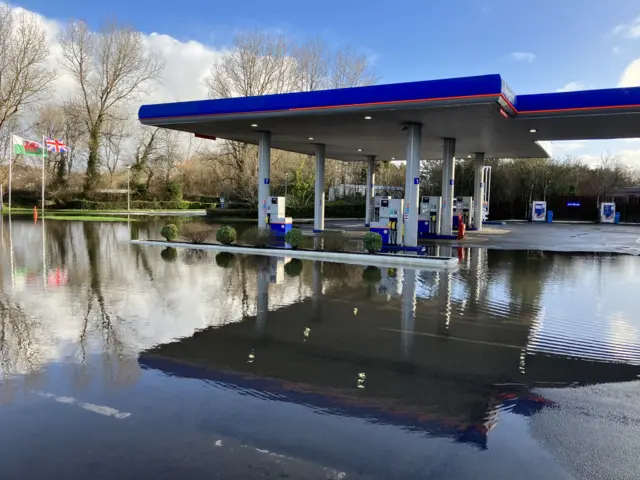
<point x="626" y="192"/>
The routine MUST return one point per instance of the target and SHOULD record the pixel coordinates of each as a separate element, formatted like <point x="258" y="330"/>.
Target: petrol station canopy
<point x="481" y="113"/>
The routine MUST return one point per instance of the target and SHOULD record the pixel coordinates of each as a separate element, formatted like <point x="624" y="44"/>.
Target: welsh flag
<point x="27" y="147"/>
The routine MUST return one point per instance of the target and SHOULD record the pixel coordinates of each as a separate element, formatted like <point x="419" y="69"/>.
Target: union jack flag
<point x="55" y="146"/>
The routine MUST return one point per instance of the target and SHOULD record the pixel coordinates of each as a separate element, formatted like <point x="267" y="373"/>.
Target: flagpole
<point x="10" y="167"/>
<point x="43" y="150"/>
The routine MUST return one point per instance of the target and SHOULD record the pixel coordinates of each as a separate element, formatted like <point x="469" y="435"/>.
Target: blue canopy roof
<point x="481" y="112"/>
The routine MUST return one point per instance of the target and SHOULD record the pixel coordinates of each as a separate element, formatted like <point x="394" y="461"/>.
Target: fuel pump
<point x="387" y="220"/>
<point x="607" y="212"/>
<point x="538" y="211"/>
<point x="429" y="216"/>
<point x="466" y="207"/>
<point x="276" y="219"/>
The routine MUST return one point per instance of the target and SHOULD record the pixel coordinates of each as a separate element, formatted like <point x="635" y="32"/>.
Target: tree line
<point x="111" y="71"/>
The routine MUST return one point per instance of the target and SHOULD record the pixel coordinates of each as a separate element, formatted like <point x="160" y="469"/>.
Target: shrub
<point x="258" y="237"/>
<point x="225" y="259"/>
<point x="337" y="241"/>
<point x="173" y="191"/>
<point x="293" y="268"/>
<point x="196" y="232"/>
<point x="372" y="242"/>
<point x="294" y="237"/>
<point x="170" y="232"/>
<point x="226" y="235"/>
<point x="169" y="254"/>
<point x="372" y="275"/>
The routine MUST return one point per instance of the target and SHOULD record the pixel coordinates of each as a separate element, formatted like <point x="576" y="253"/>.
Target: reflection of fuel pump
<point x="387" y="220"/>
<point x="607" y="212"/>
<point x="276" y="219"/>
<point x="429" y="216"/>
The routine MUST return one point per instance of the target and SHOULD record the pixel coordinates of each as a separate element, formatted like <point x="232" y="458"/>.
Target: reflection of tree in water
<point x="192" y="256"/>
<point x="18" y="346"/>
<point x="97" y="318"/>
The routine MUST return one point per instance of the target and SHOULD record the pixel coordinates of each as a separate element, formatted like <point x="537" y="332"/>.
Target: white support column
<point x="264" y="174"/>
<point x="478" y="191"/>
<point x="371" y="180"/>
<point x="318" y="212"/>
<point x="448" y="180"/>
<point x="412" y="184"/>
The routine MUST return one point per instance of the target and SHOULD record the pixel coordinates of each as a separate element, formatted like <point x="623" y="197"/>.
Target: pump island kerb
<point x="472" y="117"/>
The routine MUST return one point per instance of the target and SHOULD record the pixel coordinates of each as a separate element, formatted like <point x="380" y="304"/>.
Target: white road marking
<point x="218" y="443"/>
<point x="457" y="339"/>
<point x="99" y="409"/>
<point x="638" y="240"/>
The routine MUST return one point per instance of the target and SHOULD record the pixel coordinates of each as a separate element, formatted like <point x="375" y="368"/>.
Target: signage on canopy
<point x="508" y="93"/>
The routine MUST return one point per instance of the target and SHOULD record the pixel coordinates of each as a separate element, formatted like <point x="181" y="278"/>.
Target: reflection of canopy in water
<point x="347" y="403"/>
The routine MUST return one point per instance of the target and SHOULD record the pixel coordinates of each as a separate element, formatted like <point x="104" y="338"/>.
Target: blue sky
<point x="536" y="46"/>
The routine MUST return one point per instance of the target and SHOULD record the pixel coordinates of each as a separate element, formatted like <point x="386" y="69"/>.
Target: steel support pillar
<point x="448" y="180"/>
<point x="478" y="191"/>
<point x="412" y="184"/>
<point x="264" y="180"/>
<point x="318" y="213"/>
<point x="371" y="180"/>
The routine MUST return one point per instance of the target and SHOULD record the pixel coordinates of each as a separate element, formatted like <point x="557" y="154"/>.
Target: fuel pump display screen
<point x="384" y="203"/>
<point x="274" y="200"/>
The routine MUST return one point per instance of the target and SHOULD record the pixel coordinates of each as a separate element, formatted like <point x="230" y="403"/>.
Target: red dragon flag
<point x="27" y="147"/>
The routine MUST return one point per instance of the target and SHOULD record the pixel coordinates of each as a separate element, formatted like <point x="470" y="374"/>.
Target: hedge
<point x="340" y="210"/>
<point x="135" y="205"/>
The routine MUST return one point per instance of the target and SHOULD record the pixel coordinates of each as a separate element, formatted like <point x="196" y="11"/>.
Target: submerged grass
<point x="83" y="218"/>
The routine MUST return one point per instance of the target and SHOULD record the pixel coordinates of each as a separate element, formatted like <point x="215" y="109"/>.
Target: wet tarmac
<point x="517" y="235"/>
<point x="121" y="362"/>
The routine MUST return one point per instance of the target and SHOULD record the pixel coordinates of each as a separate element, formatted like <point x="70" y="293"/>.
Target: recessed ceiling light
<point x="367" y="117"/>
<point x="468" y="156"/>
<point x="359" y="149"/>
<point x="393" y="158"/>
<point x="254" y="125"/>
<point x="310" y="138"/>
<point x="532" y="130"/>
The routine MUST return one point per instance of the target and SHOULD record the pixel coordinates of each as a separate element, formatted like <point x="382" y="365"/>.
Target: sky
<point x="541" y="46"/>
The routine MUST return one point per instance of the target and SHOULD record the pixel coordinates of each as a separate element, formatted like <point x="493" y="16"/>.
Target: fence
<point x="570" y="208"/>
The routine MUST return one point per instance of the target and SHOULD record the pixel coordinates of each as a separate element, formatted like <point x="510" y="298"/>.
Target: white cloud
<point x="630" y="158"/>
<point x="566" y="147"/>
<point x="631" y="75"/>
<point x="628" y="30"/>
<point x="523" y="56"/>
<point x="572" y="86"/>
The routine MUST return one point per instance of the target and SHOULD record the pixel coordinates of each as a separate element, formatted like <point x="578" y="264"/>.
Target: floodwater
<point x="123" y="362"/>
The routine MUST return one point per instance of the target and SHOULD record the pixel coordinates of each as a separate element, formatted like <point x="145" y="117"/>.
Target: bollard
<point x="35" y="214"/>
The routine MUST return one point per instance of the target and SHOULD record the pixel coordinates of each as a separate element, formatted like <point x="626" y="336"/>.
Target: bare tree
<point x="312" y="65"/>
<point x="350" y="69"/>
<point x="258" y="63"/>
<point x="24" y="76"/>
<point x="115" y="134"/>
<point x="111" y="69"/>
<point x="58" y="121"/>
